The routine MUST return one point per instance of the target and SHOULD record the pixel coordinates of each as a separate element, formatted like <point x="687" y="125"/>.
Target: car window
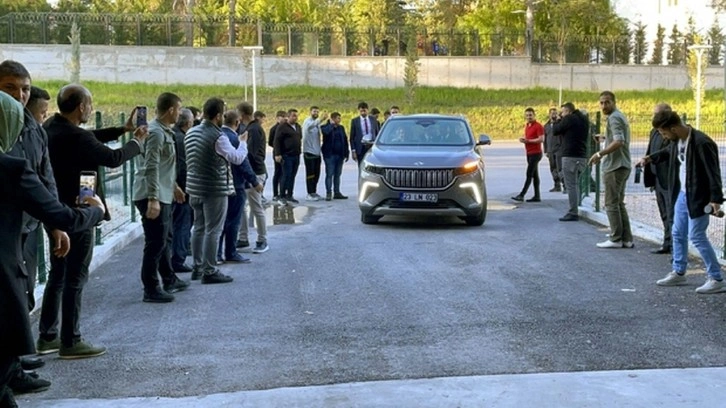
<point x="425" y="131"/>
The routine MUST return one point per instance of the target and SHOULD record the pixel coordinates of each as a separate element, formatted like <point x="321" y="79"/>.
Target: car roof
<point x="426" y="116"/>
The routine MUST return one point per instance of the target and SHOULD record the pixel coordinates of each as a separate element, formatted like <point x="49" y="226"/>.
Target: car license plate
<point x="419" y="197"/>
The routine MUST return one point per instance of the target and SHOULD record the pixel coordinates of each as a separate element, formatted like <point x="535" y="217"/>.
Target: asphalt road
<point x="336" y="301"/>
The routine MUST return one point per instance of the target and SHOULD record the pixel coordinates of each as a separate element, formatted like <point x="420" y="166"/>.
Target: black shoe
<point x="661" y="250"/>
<point x="177" y="286"/>
<point x="158" y="296"/>
<point x="183" y="268"/>
<point x="519" y="198"/>
<point x="570" y="217"/>
<point x="533" y="200"/>
<point x="339" y="196"/>
<point x="24" y="383"/>
<point x="292" y="200"/>
<point x="196" y="275"/>
<point x="242" y="244"/>
<point x="7" y="400"/>
<point x="30" y="363"/>
<point x="328" y="196"/>
<point x="216" y="277"/>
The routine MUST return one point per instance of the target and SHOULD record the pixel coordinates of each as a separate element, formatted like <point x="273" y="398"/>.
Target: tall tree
<point x="658" y="46"/>
<point x="675" y="47"/>
<point x="640" y="46"/>
<point x="716" y="36"/>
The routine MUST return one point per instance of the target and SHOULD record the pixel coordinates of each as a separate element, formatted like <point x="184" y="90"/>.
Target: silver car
<point x="424" y="165"/>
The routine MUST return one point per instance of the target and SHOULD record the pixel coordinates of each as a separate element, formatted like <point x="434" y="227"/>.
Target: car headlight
<point x="467" y="168"/>
<point x="370" y="168"/>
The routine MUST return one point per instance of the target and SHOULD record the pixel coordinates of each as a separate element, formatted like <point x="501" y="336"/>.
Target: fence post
<point x="101" y="181"/>
<point x="125" y="167"/>
<point x="598" y="122"/>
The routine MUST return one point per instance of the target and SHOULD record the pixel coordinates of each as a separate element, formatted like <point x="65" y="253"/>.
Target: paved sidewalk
<point x="679" y="388"/>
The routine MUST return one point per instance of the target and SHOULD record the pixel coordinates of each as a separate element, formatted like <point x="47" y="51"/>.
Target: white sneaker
<point x="711" y="286"/>
<point x="672" y="279"/>
<point x="312" y="197"/>
<point x="609" y="244"/>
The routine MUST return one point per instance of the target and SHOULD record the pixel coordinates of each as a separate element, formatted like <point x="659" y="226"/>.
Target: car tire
<point x="477" y="220"/>
<point x="369" y="219"/>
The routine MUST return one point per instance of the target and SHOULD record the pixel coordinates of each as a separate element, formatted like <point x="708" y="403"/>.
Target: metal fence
<point x="640" y="201"/>
<point x="303" y="39"/>
<point x="117" y="185"/>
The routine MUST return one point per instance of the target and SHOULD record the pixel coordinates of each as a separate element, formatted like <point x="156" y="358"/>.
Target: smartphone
<point x="141" y="113"/>
<point x="87" y="185"/>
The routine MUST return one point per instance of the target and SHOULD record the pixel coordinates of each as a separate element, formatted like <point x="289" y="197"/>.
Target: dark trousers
<point x="235" y="207"/>
<point x="276" y="178"/>
<point x="30" y="256"/>
<point x="157" y="247"/>
<point x="665" y="208"/>
<point x="181" y="221"/>
<point x="312" y="172"/>
<point x="290" y="164"/>
<point x="333" y="170"/>
<point x="66" y="280"/>
<point x="532" y="174"/>
<point x="555" y="168"/>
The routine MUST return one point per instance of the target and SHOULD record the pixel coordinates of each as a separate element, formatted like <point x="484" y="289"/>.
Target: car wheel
<point x="477" y="220"/>
<point x="369" y="219"/>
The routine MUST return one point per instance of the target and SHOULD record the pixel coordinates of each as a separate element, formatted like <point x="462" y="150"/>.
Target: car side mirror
<point x="484" y="140"/>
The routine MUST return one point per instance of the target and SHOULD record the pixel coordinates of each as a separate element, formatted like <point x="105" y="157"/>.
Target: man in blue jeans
<point x="335" y="153"/>
<point x="695" y="185"/>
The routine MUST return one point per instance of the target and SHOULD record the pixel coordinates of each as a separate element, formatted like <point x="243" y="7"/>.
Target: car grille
<point x="415" y="178"/>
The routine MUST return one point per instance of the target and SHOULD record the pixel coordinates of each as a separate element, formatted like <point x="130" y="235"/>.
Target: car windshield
<point x="425" y="131"/>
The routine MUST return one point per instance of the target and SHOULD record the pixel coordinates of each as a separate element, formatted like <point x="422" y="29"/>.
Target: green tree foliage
<point x="692" y="66"/>
<point x="658" y="46"/>
<point x="675" y="47"/>
<point x="717" y="37"/>
<point x="640" y="46"/>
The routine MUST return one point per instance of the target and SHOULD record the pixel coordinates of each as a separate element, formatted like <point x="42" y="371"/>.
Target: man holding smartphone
<point x="155" y="189"/>
<point x="73" y="150"/>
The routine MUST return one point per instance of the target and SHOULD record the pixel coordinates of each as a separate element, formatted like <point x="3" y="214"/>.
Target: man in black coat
<point x="73" y="150"/>
<point x="694" y="185"/>
<point x="574" y="129"/>
<point x="22" y="191"/>
<point x="655" y="176"/>
<point x="181" y="213"/>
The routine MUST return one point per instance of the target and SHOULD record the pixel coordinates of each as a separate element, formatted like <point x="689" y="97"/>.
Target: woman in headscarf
<point x="22" y="191"/>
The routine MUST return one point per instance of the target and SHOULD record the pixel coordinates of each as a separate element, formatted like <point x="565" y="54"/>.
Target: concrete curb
<point x="102" y="253"/>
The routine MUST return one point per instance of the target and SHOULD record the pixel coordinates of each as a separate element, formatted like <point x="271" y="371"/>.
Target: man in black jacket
<point x="22" y="191"/>
<point x="574" y="128"/>
<point x="281" y="117"/>
<point x="181" y="213"/>
<point x="255" y="199"/>
<point x="73" y="150"/>
<point x="694" y="180"/>
<point x="655" y="176"/>
<point x="288" y="145"/>
<point x="33" y="146"/>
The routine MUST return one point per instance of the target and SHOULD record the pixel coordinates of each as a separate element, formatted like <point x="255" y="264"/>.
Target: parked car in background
<point x="424" y="165"/>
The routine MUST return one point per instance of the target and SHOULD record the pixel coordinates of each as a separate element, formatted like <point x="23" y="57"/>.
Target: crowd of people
<point x="198" y="185"/>
<point x="681" y="165"/>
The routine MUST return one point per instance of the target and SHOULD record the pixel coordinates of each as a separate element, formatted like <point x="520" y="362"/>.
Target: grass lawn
<point x="498" y="113"/>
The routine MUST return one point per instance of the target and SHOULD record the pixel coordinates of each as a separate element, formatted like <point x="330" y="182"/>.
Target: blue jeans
<point x="181" y="232"/>
<point x="290" y="165"/>
<point x="333" y="170"/>
<point x="228" y="241"/>
<point x="685" y="228"/>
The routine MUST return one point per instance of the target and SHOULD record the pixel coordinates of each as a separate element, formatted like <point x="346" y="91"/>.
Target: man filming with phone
<point x="154" y="191"/>
<point x="74" y="150"/>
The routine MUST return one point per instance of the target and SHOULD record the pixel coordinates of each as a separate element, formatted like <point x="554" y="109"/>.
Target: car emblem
<point x="418" y="163"/>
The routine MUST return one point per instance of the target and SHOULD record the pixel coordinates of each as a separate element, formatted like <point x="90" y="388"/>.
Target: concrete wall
<point x="168" y="65"/>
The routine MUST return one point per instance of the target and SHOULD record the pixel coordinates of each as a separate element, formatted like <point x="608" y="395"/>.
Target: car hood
<point x="420" y="156"/>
